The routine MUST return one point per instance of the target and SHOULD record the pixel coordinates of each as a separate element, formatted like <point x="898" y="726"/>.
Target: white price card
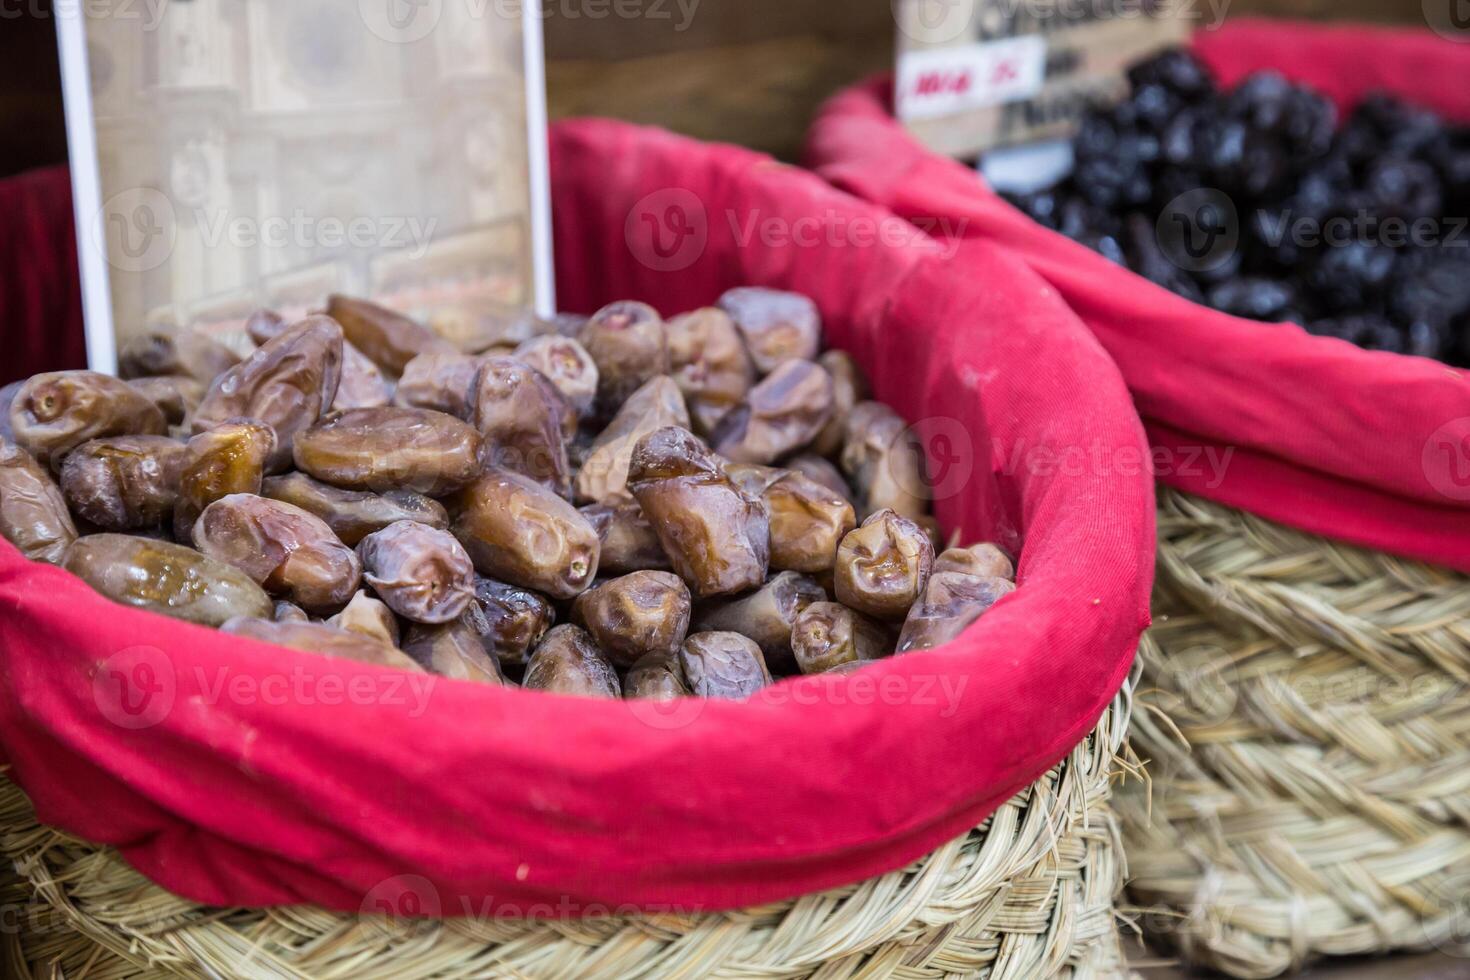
<point x="941" y="81"/>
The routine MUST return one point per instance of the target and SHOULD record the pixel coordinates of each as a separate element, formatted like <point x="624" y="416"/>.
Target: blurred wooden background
<point x="753" y="71"/>
<point x="746" y="71"/>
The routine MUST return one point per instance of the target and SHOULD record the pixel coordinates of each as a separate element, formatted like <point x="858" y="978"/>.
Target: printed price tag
<point x="941" y="81"/>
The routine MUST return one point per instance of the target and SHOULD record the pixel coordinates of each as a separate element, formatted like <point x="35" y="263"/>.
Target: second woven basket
<point x="1304" y="719"/>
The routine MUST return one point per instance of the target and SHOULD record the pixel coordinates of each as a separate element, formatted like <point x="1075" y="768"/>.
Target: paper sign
<point x="941" y="81"/>
<point x="974" y="75"/>
<point x="229" y="155"/>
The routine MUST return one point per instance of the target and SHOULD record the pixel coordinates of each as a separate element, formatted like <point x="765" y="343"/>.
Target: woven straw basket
<point x="1304" y="720"/>
<point x="1028" y="894"/>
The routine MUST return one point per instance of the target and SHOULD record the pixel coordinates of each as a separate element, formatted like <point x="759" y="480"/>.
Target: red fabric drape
<point x="40" y="298"/>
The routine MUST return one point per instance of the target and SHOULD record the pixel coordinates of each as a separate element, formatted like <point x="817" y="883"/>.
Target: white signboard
<point x="229" y="155"/>
<point x="942" y="81"/>
<point x="974" y="75"/>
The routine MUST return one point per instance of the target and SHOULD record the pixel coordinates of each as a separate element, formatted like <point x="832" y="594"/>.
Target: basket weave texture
<point x="1028" y="894"/>
<point x="1304" y="718"/>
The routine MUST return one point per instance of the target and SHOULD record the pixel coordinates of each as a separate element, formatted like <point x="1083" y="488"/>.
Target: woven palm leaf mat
<point x="1028" y="894"/>
<point x="1305" y="722"/>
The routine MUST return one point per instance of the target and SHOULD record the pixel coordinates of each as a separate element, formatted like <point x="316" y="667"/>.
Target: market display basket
<point x="1308" y="736"/>
<point x="1028" y="893"/>
<point x="1302" y="711"/>
<point x="812" y="830"/>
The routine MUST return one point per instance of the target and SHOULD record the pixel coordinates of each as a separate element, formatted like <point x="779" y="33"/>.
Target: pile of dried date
<point x="438" y="497"/>
<point x="1356" y="231"/>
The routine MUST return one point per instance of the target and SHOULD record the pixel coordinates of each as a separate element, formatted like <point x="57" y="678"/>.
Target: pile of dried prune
<point x="1357" y="232"/>
<point x="614" y="505"/>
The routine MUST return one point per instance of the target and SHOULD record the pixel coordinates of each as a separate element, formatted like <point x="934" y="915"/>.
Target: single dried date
<point x="287" y="383"/>
<point x="54" y="413"/>
<point x="124" y="483"/>
<point x="166" y="578"/>
<point x="717" y="537"/>
<point x="517" y="530"/>
<point x="33" y="514"/>
<point x="422" y="573"/>
<point x="391" y="448"/>
<point x="291" y="553"/>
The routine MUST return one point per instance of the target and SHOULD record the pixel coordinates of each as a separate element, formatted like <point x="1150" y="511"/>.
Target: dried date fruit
<point x="828" y="635"/>
<point x="604" y="471"/>
<point x="951" y="602"/>
<point x="441" y="382"/>
<point x="33" y="514"/>
<point x="54" y="413"/>
<point x="508" y="620"/>
<point x="716" y="536"/>
<point x="516" y="530"/>
<point x="883" y="566"/>
<point x="284" y="549"/>
<point x="391" y="448"/>
<point x="519" y="414"/>
<point x="321" y="638"/>
<point x="884" y="462"/>
<point x="628" y="343"/>
<point x="229" y="458"/>
<point x="390" y="340"/>
<point x="422" y="573"/>
<point x="183" y="352"/>
<point x="354" y="514"/>
<point x="656" y="677"/>
<point x="846" y="667"/>
<point x="629" y="543"/>
<point x="264" y="325"/>
<point x="780" y="415"/>
<point x="723" y="665"/>
<point x="123" y="483"/>
<point x="567" y="661"/>
<point x="483" y="325"/>
<point x="176" y="396"/>
<point x="638" y="613"/>
<point x="566" y="364"/>
<point x="777" y="326"/>
<point x="753" y="479"/>
<point x="822" y="471"/>
<point x="766" y="615"/>
<point x="983" y="559"/>
<point x="708" y="361"/>
<point x="366" y="615"/>
<point x="849" y="386"/>
<point x="287" y="383"/>
<point x="165" y="578"/>
<point x="362" y="385"/>
<point x="452" y="650"/>
<point x="567" y="324"/>
<point x="172" y="351"/>
<point x="808" y="522"/>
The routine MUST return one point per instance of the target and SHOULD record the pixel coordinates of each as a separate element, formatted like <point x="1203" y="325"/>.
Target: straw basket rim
<point x="1029" y="893"/>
